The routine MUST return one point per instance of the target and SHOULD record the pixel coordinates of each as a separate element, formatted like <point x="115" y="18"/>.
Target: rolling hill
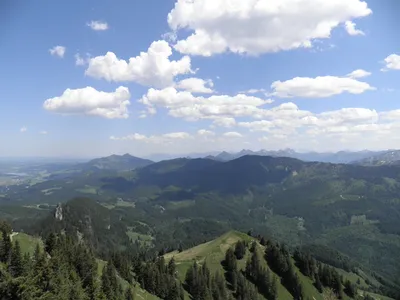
<point x="212" y="254"/>
<point x="124" y="162"/>
<point x="296" y="201"/>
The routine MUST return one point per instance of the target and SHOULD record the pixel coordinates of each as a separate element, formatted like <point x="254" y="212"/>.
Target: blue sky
<point x="213" y="75"/>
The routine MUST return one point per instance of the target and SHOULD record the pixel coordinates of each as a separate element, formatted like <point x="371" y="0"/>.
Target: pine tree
<point x="50" y="243"/>
<point x="16" y="267"/>
<point x="5" y="226"/>
<point x="350" y="289"/>
<point x="5" y="246"/>
<point x="274" y="288"/>
<point x="230" y="265"/>
<point x="318" y="284"/>
<point x="106" y="283"/>
<point x="129" y="294"/>
<point x="240" y="249"/>
<point x="172" y="267"/>
<point x="253" y="246"/>
<point x="230" y="260"/>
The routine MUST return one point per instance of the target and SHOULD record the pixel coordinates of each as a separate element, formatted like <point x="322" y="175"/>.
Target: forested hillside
<point x="339" y="210"/>
<point x="233" y="266"/>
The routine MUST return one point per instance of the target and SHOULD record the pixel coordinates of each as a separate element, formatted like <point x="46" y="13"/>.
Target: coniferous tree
<point x="274" y="288"/>
<point x="318" y="284"/>
<point x="350" y="289"/>
<point x="245" y="290"/>
<point x="129" y="294"/>
<point x="5" y="246"/>
<point x="198" y="282"/>
<point x="15" y="266"/>
<point x="50" y="243"/>
<point x="218" y="287"/>
<point x="106" y="285"/>
<point x="253" y="246"/>
<point x="172" y="267"/>
<point x="240" y="249"/>
<point x="230" y="265"/>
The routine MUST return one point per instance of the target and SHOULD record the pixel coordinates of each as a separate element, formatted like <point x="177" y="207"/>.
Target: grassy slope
<point x="28" y="243"/>
<point x="213" y="253"/>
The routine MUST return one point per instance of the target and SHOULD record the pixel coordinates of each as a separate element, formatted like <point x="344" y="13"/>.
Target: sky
<point x="95" y="77"/>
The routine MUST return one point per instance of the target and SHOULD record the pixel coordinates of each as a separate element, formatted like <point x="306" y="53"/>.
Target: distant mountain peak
<point x="118" y="162"/>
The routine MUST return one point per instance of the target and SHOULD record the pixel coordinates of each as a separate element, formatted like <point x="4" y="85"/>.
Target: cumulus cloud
<point x="287" y="125"/>
<point x="98" y="25"/>
<point x="218" y="26"/>
<point x="232" y="134"/>
<point x="204" y="132"/>
<point x="318" y="87"/>
<point x="23" y="129"/>
<point x="164" y="138"/>
<point x="196" y="85"/>
<point x="152" y="68"/>
<point x="225" y="122"/>
<point x="43" y="132"/>
<point x="392" y="62"/>
<point x="359" y="74"/>
<point x="182" y="104"/>
<point x="89" y="101"/>
<point x="58" y="51"/>
<point x="351" y="28"/>
<point x="81" y="61"/>
<point x="253" y="91"/>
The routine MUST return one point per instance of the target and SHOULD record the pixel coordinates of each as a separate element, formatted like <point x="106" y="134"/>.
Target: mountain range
<point x="350" y="209"/>
<point x="116" y="162"/>
<point x="331" y="157"/>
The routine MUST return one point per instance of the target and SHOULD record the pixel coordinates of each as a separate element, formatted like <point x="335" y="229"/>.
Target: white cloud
<point x="263" y="125"/>
<point x="195" y="85"/>
<point x="347" y="116"/>
<point x="43" y="132"/>
<point x="225" y="122"/>
<point x="89" y="101"/>
<point x="258" y="26"/>
<point x="151" y="68"/>
<point x="232" y="134"/>
<point x="392" y="62"/>
<point x="287" y="125"/>
<point x="318" y="87"/>
<point x="158" y="139"/>
<point x="23" y="129"/>
<point x="58" y="51"/>
<point x="253" y="91"/>
<point x="359" y="74"/>
<point x="204" y="132"/>
<point x="185" y="105"/>
<point x="351" y="28"/>
<point x="98" y="25"/>
<point x="392" y="115"/>
<point x="81" y="61"/>
<point x="176" y="135"/>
